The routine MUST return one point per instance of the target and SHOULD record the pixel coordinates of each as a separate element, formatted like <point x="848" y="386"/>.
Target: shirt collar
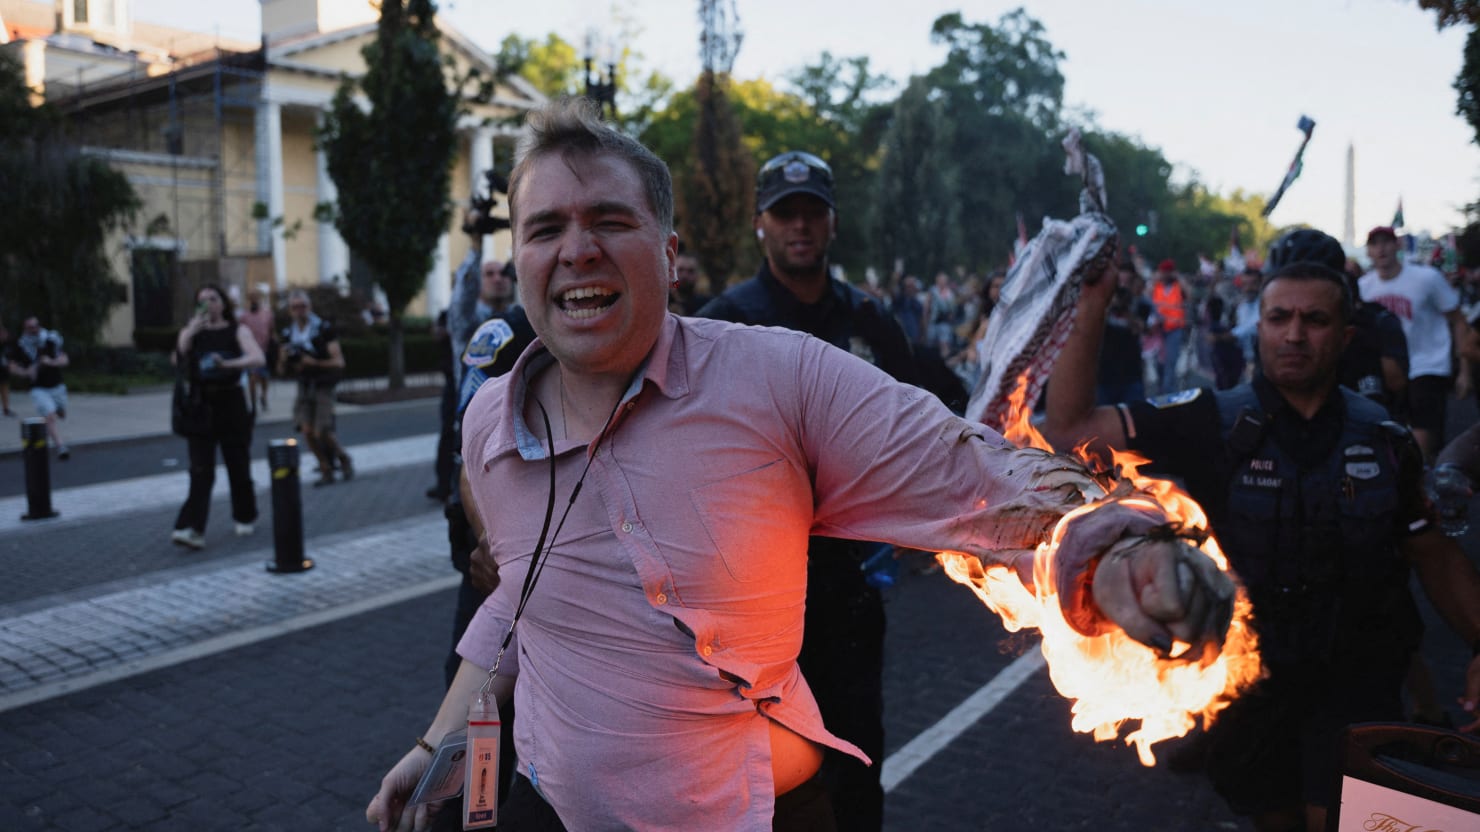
<point x="788" y="304"/>
<point x="1275" y="405"/>
<point x="665" y="366"/>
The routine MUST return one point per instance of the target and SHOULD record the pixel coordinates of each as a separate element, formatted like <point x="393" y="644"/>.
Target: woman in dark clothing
<point x="217" y="350"/>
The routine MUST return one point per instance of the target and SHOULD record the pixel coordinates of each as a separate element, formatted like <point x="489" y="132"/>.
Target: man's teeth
<point x="570" y="301"/>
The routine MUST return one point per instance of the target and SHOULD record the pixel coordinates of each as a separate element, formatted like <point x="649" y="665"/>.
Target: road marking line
<point x="918" y="751"/>
<point x="222" y="643"/>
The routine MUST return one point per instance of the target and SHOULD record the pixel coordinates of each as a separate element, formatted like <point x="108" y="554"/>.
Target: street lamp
<point x="599" y="88"/>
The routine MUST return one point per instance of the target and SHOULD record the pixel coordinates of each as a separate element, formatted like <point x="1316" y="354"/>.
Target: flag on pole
<point x="1307" y="126"/>
<point x="1398" y="214"/>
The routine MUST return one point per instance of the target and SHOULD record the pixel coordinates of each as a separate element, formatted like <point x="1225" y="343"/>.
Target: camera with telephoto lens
<point x="292" y="359"/>
<point x="486" y="223"/>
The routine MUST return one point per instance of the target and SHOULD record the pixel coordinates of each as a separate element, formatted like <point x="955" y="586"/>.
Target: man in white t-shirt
<point x="1429" y="309"/>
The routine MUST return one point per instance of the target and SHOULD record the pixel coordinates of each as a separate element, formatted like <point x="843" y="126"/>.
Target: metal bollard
<point x="287" y="508"/>
<point x="38" y="470"/>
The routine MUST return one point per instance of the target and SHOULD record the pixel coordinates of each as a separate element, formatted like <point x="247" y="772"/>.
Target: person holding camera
<point x="311" y="353"/>
<point x="215" y="350"/>
<point x="38" y="356"/>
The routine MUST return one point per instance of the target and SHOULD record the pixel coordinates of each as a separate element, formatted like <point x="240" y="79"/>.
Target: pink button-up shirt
<point x="663" y="634"/>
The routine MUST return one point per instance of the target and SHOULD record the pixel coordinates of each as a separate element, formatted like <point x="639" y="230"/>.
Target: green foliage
<point x="918" y="220"/>
<point x="1453" y="12"/>
<point x="718" y="198"/>
<point x="557" y="69"/>
<point x="1467" y="84"/>
<point x="1007" y="70"/>
<point x="824" y="113"/>
<point x="392" y="164"/>
<point x="58" y="208"/>
<point x="551" y="65"/>
<point x="986" y="119"/>
<point x="366" y="356"/>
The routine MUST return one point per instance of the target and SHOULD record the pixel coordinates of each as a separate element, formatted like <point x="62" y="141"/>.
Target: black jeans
<point x="236" y="450"/>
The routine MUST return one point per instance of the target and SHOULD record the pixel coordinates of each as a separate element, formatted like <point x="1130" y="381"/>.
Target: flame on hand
<point x="1113" y="678"/>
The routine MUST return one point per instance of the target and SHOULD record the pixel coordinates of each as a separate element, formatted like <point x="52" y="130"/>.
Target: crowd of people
<point x="774" y="721"/>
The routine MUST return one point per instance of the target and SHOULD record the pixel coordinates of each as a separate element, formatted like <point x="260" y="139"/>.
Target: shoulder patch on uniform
<point x="1361" y="462"/>
<point x="484" y="346"/>
<point x="1180" y="397"/>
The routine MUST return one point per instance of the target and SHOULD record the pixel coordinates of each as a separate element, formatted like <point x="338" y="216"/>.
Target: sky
<point x="1217" y="87"/>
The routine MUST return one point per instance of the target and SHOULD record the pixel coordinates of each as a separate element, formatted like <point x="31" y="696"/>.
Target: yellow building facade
<point x="218" y="139"/>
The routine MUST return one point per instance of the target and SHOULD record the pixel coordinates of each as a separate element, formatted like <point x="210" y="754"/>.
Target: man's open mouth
<point x="586" y="302"/>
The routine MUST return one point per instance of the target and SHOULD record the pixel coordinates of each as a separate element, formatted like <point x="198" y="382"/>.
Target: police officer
<point x="842" y="654"/>
<point x="1317" y="500"/>
<point x="1375" y="362"/>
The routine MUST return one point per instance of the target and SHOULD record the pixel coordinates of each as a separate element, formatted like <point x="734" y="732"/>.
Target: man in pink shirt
<point x="258" y="318"/>
<point x="680" y="465"/>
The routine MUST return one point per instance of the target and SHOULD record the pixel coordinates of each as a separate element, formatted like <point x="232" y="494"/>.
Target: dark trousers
<point x="236" y="453"/>
<point x="447" y="440"/>
<point x="803" y="809"/>
<point x="842" y="659"/>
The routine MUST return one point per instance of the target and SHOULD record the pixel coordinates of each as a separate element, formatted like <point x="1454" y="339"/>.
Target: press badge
<point x="443" y="779"/>
<point x="480" y="783"/>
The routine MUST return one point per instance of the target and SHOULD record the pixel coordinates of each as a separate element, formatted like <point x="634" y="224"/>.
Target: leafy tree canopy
<point x="392" y="162"/>
<point x="59" y="209"/>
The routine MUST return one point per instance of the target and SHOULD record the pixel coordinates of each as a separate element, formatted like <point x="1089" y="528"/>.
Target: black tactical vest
<point x="1316" y="547"/>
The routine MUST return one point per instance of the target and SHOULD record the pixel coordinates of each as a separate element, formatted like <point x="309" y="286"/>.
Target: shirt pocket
<point x="751" y="517"/>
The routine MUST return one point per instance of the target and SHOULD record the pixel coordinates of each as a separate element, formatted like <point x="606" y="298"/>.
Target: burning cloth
<point x="1164" y="677"/>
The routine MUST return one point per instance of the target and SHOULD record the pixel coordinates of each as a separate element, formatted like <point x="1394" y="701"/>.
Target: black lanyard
<point x="541" y="554"/>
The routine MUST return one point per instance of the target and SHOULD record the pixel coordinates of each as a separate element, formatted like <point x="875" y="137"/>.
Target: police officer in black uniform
<point x="1316" y="498"/>
<point x="1375" y="362"/>
<point x="842" y="653"/>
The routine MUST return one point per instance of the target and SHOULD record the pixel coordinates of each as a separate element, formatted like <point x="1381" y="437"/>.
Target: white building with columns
<point x="219" y="142"/>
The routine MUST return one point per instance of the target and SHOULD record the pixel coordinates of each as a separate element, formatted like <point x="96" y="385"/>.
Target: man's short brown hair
<point x="573" y="127"/>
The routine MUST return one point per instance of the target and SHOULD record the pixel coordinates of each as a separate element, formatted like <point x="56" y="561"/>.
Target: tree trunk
<point x="397" y="359"/>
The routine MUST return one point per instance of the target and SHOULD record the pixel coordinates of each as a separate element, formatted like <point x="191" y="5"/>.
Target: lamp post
<point x="601" y="88"/>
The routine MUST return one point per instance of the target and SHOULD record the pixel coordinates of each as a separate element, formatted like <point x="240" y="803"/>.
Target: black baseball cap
<point x="793" y="172"/>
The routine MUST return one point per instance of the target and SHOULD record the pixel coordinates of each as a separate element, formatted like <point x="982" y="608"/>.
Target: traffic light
<point x="1142" y="230"/>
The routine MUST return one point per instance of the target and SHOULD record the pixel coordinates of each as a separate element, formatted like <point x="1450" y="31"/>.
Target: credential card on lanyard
<point x="480" y="784"/>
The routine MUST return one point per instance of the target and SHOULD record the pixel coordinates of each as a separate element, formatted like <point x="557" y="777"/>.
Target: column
<point x="269" y="159"/>
<point x="439" y="282"/>
<point x="333" y="251"/>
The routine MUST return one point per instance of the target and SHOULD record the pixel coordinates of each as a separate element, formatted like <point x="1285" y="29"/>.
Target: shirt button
<point x="707" y="650"/>
<point x="626" y="527"/>
<point x="662" y="598"/>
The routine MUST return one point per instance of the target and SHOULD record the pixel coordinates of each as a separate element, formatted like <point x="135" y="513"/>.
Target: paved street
<point x="143" y="686"/>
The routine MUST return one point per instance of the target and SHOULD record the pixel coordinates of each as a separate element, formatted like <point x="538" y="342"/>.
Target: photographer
<point x="311" y="353"/>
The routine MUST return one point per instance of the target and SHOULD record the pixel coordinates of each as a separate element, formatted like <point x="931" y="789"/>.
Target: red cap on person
<point x="1167" y="265"/>
<point x="1381" y="232"/>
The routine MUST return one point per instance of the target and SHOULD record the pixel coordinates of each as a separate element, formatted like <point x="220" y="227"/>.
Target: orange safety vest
<point x="1170" y="304"/>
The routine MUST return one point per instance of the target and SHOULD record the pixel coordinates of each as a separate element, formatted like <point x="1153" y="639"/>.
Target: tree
<point x="719" y="198"/>
<point x="392" y="163"/>
<point x="917" y="222"/>
<point x="1467" y="84"/>
<point x="557" y="70"/>
<point x="1003" y="89"/>
<point x="59" y="208"/>
<point x="1453" y="12"/>
<point x="551" y="65"/>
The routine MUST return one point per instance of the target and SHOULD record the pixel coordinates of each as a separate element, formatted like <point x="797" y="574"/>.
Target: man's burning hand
<point x="1122" y="562"/>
